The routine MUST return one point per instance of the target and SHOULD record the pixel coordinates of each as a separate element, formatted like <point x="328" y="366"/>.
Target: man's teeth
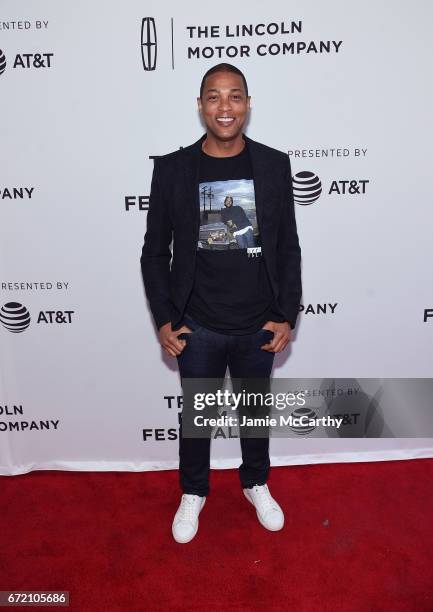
<point x="225" y="119"/>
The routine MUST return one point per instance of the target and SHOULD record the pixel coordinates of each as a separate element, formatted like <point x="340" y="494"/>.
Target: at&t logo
<point x="307" y="187"/>
<point x="16" y="318"/>
<point x="27" y="61"/>
<point x="2" y="62"/>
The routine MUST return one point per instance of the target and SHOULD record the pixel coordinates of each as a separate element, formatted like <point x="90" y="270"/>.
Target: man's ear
<point x="199" y="104"/>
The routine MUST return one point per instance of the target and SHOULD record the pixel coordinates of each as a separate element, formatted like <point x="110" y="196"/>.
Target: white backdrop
<point x="343" y="89"/>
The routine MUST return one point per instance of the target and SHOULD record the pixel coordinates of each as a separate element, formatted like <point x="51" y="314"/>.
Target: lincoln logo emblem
<point x="148" y="43"/>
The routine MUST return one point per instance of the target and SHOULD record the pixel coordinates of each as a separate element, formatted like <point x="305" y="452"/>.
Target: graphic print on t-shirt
<point x="228" y="216"/>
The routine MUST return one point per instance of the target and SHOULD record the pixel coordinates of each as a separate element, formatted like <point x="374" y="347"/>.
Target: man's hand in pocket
<point x="169" y="340"/>
<point x="282" y="336"/>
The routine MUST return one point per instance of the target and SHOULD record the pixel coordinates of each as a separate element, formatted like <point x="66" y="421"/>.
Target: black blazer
<point x="174" y="213"/>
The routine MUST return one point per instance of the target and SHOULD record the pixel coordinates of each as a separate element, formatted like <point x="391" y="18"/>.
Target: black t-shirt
<point x="231" y="292"/>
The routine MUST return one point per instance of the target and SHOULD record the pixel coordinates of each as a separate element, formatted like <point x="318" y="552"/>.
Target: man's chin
<point x="225" y="134"/>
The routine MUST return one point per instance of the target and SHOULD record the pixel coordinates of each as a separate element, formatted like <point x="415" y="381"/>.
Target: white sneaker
<point x="269" y="512"/>
<point x="185" y="522"/>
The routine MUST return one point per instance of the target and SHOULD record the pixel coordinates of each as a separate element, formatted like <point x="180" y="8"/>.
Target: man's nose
<point x="224" y="103"/>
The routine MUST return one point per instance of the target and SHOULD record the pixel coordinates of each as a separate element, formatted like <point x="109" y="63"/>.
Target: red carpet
<point x="358" y="537"/>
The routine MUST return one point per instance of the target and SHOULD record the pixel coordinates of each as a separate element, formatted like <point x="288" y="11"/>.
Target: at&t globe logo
<point x="2" y="62"/>
<point x="307" y="187"/>
<point x="15" y="317"/>
<point x="306" y="414"/>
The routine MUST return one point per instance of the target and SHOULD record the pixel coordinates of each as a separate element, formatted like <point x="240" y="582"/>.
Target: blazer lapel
<point x="191" y="175"/>
<point x="259" y="175"/>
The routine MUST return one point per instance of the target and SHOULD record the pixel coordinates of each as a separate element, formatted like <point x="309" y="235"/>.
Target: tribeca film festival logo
<point x="428" y="315"/>
<point x="27" y="61"/>
<point x="163" y="434"/>
<point x="15" y="317"/>
<point x="140" y="202"/>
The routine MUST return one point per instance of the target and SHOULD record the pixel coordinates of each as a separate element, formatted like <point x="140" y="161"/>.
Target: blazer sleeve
<point x="289" y="254"/>
<point x="156" y="253"/>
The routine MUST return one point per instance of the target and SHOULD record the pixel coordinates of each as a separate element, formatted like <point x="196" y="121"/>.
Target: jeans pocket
<point x="193" y="325"/>
<point x="267" y="334"/>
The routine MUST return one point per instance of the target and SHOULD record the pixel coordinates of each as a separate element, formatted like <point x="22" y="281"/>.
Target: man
<point x="236" y="219"/>
<point x="221" y="307"/>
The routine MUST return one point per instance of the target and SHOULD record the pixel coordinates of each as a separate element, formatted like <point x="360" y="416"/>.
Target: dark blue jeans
<point x="207" y="354"/>
<point x="246" y="240"/>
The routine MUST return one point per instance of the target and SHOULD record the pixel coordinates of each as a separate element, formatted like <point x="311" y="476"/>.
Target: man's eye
<point x="212" y="98"/>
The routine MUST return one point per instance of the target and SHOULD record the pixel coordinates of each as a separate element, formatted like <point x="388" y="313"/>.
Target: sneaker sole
<point x="260" y="518"/>
<point x="196" y="529"/>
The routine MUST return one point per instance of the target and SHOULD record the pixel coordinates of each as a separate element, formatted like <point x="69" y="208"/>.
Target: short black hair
<point x="223" y="68"/>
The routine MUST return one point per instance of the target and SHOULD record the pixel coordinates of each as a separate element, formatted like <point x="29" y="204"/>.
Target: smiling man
<point x="231" y="295"/>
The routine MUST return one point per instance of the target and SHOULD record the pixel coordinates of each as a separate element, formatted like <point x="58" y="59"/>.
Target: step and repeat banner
<point x="90" y="93"/>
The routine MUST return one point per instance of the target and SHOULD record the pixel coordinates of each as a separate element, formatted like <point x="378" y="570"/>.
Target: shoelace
<point x="264" y="498"/>
<point x="187" y="510"/>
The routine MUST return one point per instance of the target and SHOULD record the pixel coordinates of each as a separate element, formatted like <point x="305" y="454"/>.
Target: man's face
<point x="224" y="106"/>
<point x="228" y="202"/>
